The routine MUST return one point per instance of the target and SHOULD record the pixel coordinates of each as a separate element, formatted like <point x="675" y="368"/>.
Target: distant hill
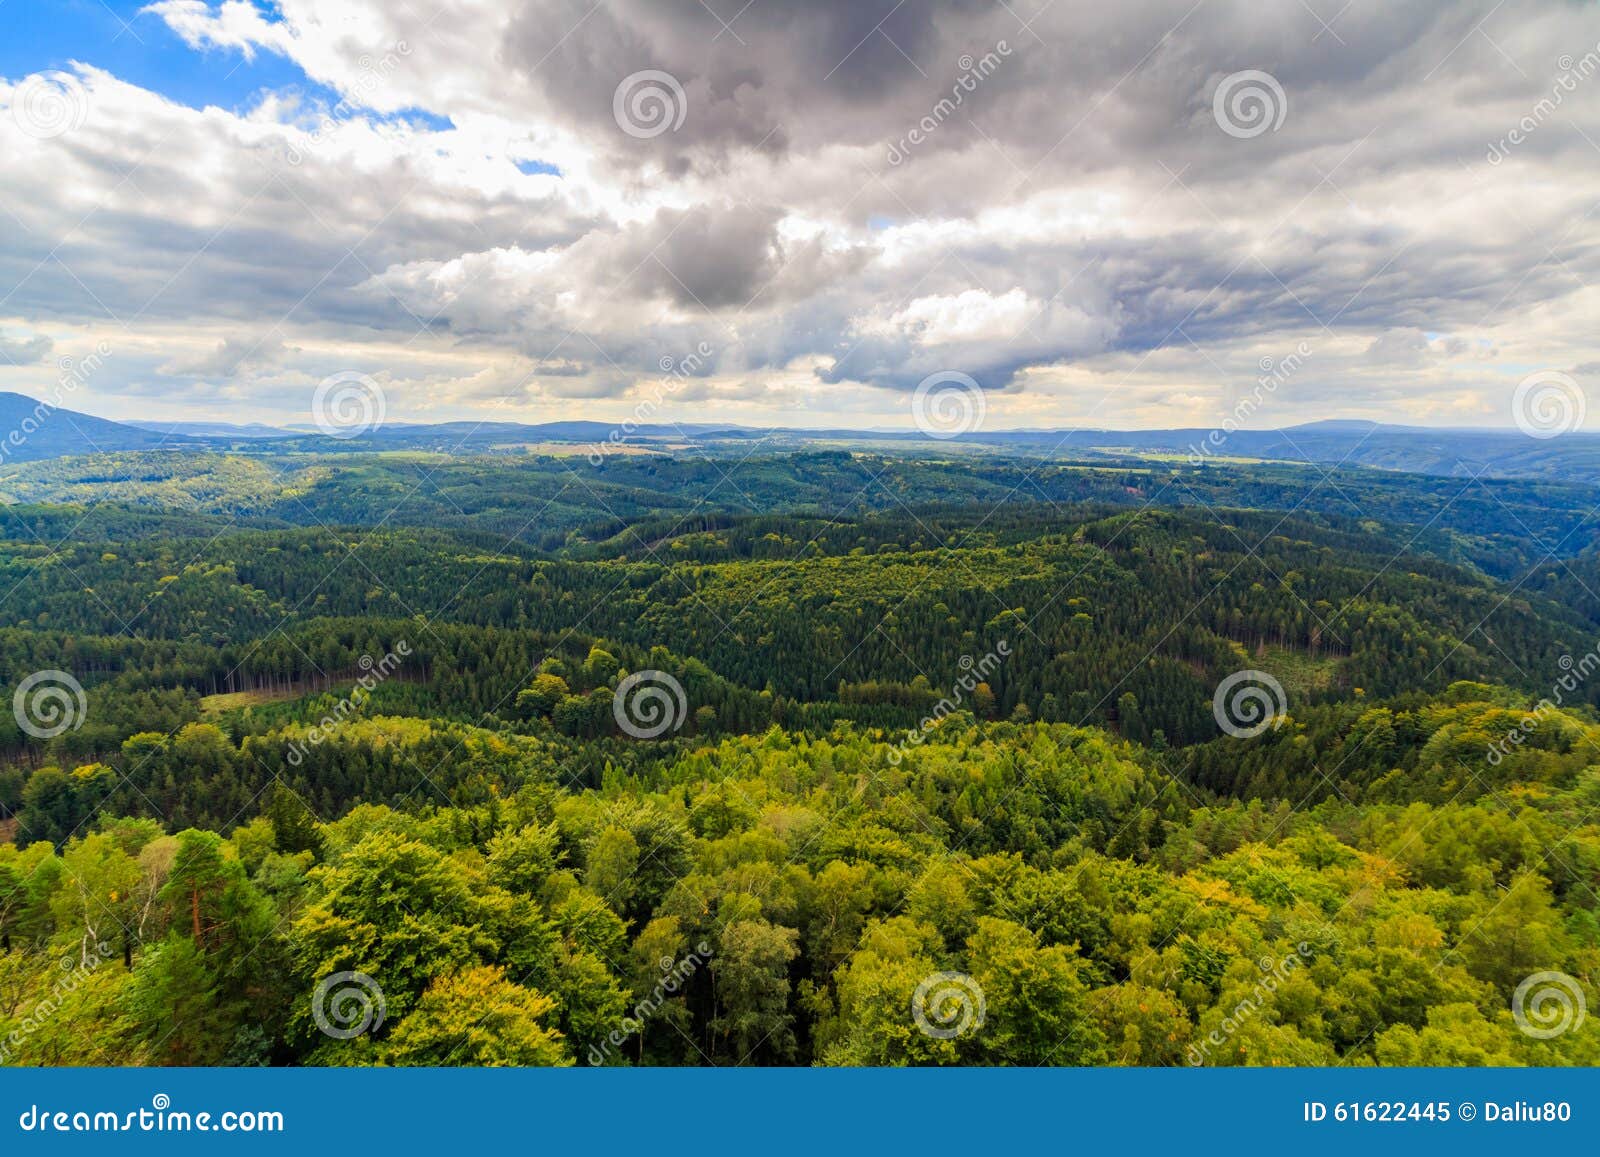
<point x="215" y="429"/>
<point x="31" y="430"/>
<point x="1571" y="458"/>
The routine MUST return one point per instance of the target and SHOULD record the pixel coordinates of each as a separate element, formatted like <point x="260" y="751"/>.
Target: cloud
<point x="229" y="357"/>
<point x="24" y="350"/>
<point x="859" y="193"/>
<point x="234" y="24"/>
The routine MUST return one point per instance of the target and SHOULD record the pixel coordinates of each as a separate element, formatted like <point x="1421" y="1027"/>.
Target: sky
<point x="1094" y="215"/>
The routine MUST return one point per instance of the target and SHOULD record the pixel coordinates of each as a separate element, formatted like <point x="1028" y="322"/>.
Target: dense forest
<point x="565" y="503"/>
<point x="817" y="758"/>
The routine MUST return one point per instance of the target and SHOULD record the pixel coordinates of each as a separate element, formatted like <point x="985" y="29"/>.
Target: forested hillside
<point x="563" y="504"/>
<point x="842" y="759"/>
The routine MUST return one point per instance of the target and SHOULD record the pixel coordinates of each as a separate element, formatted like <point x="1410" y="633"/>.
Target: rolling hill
<point x="32" y="430"/>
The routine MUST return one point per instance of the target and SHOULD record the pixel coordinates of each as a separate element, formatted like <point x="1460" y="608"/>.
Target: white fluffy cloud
<point x="859" y="193"/>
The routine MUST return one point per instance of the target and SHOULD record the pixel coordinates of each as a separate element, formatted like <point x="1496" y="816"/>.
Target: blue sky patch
<point x="139" y="48"/>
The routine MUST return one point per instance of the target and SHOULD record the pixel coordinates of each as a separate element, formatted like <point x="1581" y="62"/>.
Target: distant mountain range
<point x="30" y="431"/>
<point x="215" y="429"/>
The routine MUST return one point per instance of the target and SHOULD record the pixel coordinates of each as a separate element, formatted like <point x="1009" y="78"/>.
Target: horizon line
<point x="303" y="428"/>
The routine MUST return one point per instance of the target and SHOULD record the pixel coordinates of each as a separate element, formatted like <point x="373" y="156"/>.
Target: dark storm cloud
<point x="776" y="70"/>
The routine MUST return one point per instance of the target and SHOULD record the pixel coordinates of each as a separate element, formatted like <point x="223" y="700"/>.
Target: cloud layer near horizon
<point x="843" y="198"/>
